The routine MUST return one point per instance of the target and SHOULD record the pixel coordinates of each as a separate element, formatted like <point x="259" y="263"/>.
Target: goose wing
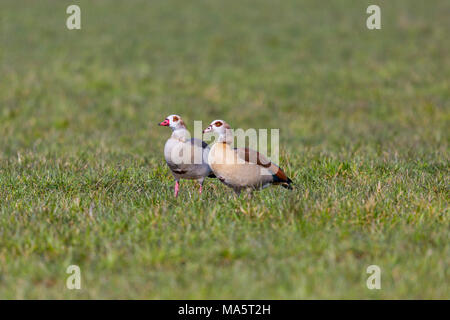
<point x="252" y="156"/>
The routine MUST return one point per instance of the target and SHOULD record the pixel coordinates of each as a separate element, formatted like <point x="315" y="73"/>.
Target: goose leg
<point x="177" y="188"/>
<point x="201" y="185"/>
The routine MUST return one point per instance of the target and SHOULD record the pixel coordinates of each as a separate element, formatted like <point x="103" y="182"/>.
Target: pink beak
<point x="207" y="130"/>
<point x="165" y="123"/>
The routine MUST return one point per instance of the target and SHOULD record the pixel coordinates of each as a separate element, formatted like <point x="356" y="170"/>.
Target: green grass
<point x="364" y="118"/>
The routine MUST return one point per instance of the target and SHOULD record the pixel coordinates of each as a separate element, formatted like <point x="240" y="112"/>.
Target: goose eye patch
<point x="175" y="118"/>
<point x="218" y="124"/>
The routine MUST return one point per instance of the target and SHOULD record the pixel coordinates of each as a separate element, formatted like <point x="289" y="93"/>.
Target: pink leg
<point x="177" y="188"/>
<point x="200" y="182"/>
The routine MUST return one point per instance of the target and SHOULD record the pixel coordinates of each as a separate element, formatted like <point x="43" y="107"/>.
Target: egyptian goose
<point x="185" y="156"/>
<point x="241" y="168"/>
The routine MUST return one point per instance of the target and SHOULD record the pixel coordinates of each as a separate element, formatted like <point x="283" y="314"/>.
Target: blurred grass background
<point x="364" y="118"/>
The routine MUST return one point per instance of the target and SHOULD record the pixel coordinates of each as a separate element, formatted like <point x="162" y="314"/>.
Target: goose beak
<point x="209" y="129"/>
<point x="165" y="123"/>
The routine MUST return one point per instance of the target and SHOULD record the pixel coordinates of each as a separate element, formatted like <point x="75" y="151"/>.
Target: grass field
<point x="364" y="118"/>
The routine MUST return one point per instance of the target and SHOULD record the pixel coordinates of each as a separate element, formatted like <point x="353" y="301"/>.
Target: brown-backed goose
<point x="241" y="168"/>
